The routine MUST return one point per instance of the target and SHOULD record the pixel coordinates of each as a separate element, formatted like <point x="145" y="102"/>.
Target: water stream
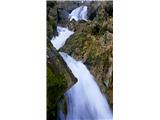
<point x="79" y="13"/>
<point x="84" y="100"/>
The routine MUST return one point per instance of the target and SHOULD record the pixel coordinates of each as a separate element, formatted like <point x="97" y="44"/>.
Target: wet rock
<point x="109" y="8"/>
<point x="63" y="15"/>
<point x="92" y="9"/>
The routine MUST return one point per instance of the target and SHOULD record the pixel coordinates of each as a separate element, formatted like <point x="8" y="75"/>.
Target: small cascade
<point x="63" y="34"/>
<point x="84" y="99"/>
<point x="79" y="13"/>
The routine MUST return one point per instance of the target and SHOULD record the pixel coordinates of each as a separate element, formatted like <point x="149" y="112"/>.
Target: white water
<point x="79" y="13"/>
<point x="84" y="100"/>
<point x="63" y="34"/>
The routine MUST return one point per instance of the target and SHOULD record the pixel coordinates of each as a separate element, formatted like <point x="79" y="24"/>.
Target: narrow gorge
<point x="79" y="59"/>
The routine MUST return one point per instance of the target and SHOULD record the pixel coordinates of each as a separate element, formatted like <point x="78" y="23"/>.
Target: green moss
<point x="56" y="86"/>
<point x="54" y="80"/>
<point x="76" y="43"/>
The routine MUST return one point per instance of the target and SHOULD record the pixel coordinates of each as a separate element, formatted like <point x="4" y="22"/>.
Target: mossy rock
<point x="59" y="80"/>
<point x="56" y="86"/>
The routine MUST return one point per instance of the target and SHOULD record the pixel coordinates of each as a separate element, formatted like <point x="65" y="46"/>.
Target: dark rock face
<point x="92" y="9"/>
<point x="51" y="18"/>
<point x="63" y="15"/>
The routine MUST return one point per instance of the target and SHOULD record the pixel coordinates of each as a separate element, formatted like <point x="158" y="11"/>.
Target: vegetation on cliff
<point x="54" y="83"/>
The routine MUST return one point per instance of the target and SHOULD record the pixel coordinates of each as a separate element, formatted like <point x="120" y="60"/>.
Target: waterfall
<point x="84" y="100"/>
<point x="63" y="34"/>
<point x="79" y="13"/>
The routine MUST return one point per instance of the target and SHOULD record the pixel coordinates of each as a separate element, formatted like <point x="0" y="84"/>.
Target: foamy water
<point x="63" y="34"/>
<point x="84" y="99"/>
<point x="79" y="13"/>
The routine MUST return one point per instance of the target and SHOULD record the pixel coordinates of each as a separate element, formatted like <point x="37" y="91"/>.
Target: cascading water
<point x="79" y="13"/>
<point x="63" y="34"/>
<point x="84" y="100"/>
